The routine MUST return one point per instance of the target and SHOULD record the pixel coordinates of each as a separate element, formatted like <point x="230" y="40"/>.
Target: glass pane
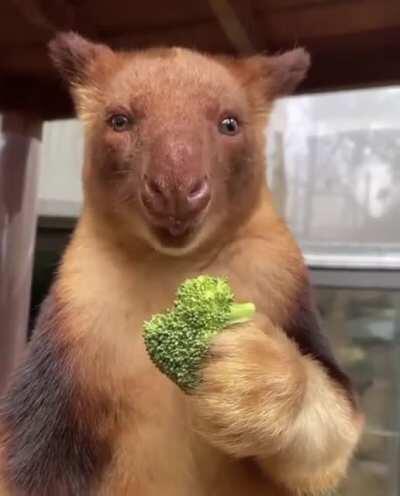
<point x="334" y="168"/>
<point x="60" y="189"/>
<point x="364" y="326"/>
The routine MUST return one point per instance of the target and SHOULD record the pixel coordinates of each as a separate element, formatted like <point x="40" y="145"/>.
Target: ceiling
<point x="353" y="42"/>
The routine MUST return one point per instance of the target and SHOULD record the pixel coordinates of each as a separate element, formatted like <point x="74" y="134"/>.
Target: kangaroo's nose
<point x="181" y="199"/>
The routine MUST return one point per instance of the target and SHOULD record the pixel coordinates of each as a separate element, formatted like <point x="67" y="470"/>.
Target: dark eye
<point x="119" y="122"/>
<point x="229" y="126"/>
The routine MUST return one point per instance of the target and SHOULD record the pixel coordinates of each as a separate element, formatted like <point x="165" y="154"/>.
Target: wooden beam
<point x="203" y="35"/>
<point x="343" y="70"/>
<point x="48" y="15"/>
<point x="363" y="45"/>
<point x="305" y="4"/>
<point x="25" y="60"/>
<point x="46" y="99"/>
<point x="234" y="28"/>
<point x="32" y="60"/>
<point x="56" y="15"/>
<point x="328" y="19"/>
<point x="206" y="36"/>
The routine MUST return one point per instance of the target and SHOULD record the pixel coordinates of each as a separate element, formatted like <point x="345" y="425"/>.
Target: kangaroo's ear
<point x="280" y="74"/>
<point x="75" y="56"/>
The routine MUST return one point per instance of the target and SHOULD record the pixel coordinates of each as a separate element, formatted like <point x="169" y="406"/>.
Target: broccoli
<point x="178" y="340"/>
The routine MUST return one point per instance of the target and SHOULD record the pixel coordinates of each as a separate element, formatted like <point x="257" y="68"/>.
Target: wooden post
<point x="236" y="22"/>
<point x="20" y="141"/>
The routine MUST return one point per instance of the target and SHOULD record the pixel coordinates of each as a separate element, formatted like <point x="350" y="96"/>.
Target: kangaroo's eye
<point x="119" y="122"/>
<point x="229" y="126"/>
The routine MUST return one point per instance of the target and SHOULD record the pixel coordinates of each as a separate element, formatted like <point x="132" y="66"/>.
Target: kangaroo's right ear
<point x="279" y="74"/>
<point x="74" y="56"/>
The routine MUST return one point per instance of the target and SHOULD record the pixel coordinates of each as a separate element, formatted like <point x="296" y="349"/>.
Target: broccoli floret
<point x="178" y="340"/>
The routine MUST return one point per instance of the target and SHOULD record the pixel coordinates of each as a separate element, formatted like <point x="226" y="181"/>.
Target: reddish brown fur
<point x="269" y="389"/>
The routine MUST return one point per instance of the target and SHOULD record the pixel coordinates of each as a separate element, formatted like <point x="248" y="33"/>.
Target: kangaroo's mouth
<point x="175" y="233"/>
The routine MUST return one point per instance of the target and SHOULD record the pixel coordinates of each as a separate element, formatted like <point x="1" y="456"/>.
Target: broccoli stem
<point x="241" y="312"/>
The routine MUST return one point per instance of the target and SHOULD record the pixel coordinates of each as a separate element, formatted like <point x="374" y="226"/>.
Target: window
<point x="334" y="166"/>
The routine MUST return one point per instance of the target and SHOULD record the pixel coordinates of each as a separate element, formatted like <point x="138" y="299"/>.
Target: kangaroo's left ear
<point x="75" y="56"/>
<point x="280" y="74"/>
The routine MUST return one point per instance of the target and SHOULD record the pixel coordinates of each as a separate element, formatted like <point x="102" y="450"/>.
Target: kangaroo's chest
<point x="157" y="451"/>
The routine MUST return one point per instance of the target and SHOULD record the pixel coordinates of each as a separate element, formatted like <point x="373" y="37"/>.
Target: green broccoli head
<point x="178" y="340"/>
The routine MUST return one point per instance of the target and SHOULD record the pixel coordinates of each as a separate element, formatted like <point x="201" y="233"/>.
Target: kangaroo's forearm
<point x="262" y="398"/>
<point x="314" y="449"/>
